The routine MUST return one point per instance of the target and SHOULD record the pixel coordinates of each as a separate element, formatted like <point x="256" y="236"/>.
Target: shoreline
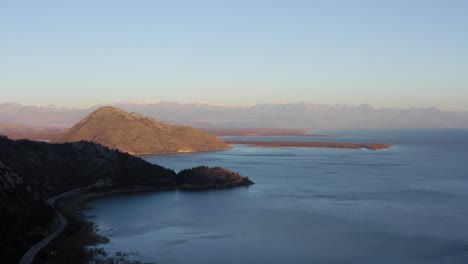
<point x="81" y="238"/>
<point x="178" y="152"/>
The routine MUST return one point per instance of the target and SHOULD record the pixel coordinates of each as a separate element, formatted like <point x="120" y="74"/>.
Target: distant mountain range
<point x="137" y="134"/>
<point x="274" y="115"/>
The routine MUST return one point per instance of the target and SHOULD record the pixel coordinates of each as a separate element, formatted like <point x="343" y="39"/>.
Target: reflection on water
<point x="404" y="205"/>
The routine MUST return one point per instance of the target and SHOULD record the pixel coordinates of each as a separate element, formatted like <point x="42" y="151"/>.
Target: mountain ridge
<point x="279" y="115"/>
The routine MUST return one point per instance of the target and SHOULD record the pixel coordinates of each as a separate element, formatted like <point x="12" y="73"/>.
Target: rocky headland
<point x="205" y="177"/>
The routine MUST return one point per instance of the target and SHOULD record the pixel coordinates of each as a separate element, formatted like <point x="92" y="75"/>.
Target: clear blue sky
<point x="410" y="53"/>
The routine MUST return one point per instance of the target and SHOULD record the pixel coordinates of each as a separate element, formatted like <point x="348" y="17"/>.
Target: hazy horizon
<point x="389" y="54"/>
<point x="274" y="115"/>
<point x="207" y="103"/>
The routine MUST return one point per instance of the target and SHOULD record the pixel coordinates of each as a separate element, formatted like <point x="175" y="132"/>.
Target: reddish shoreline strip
<point x="309" y="144"/>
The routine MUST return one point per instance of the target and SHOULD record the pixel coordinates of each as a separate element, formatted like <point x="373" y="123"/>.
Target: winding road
<point x="28" y="257"/>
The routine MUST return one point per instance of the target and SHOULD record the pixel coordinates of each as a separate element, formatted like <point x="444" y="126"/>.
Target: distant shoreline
<point x="309" y="144"/>
<point x="263" y="132"/>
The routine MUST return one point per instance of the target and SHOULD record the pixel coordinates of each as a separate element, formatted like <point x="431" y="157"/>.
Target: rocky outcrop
<point x="8" y="179"/>
<point x="137" y="134"/>
<point x="205" y="177"/>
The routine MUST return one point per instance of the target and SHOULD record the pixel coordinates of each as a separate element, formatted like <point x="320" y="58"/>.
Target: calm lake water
<point x="408" y="204"/>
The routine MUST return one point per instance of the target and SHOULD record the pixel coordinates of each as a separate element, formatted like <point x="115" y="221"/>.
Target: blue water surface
<point x="408" y="204"/>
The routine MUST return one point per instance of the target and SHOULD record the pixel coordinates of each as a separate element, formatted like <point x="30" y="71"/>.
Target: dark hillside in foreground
<point x="23" y="219"/>
<point x="31" y="172"/>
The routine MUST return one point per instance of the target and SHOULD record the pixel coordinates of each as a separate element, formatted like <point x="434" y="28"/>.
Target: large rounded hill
<point x="137" y="134"/>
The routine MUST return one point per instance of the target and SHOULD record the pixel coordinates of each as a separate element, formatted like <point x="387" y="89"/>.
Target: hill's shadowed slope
<point x="23" y="218"/>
